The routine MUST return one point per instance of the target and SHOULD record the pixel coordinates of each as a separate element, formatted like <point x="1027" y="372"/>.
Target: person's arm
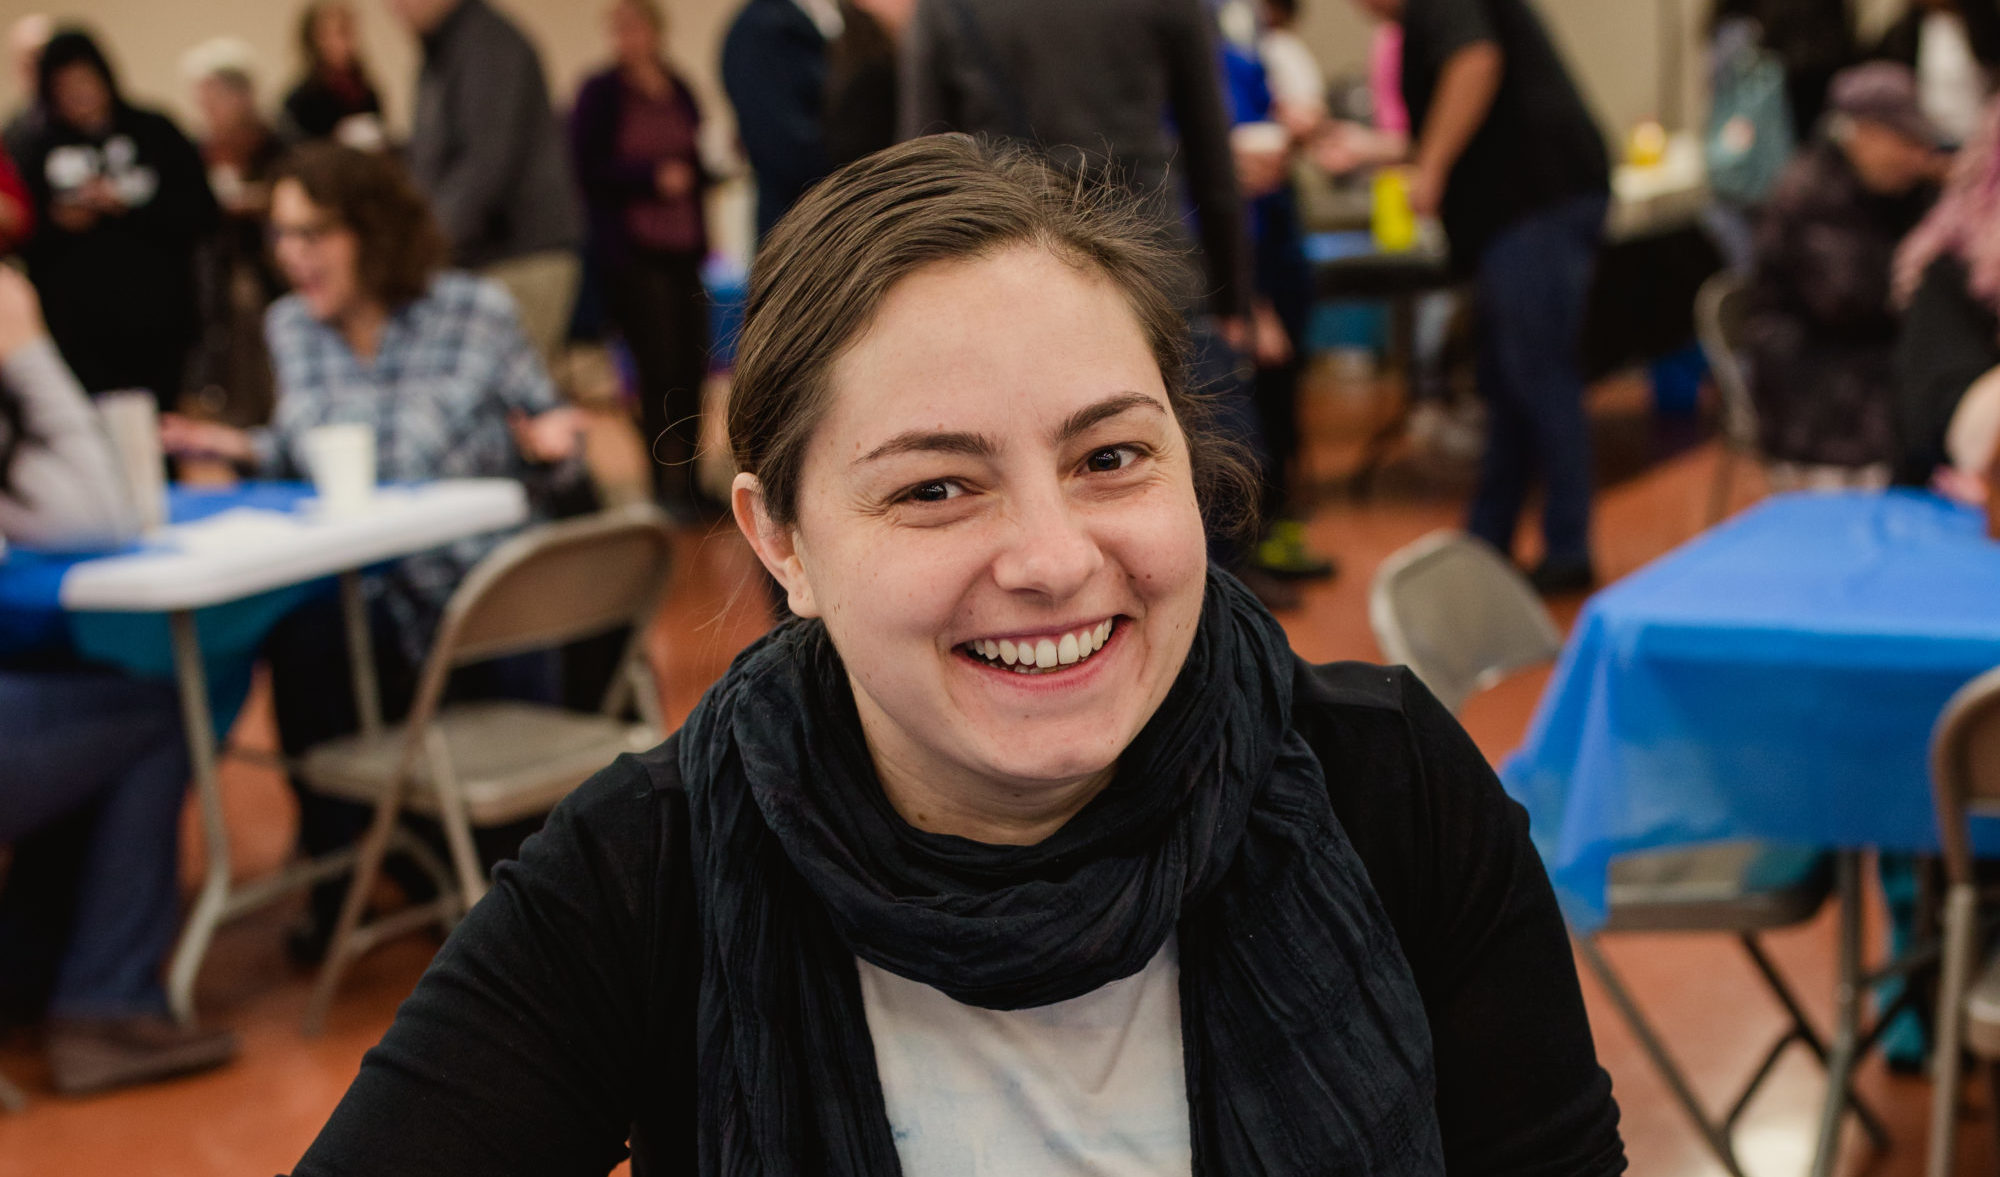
<point x="1194" y="99"/>
<point x="1948" y="341"/>
<point x="493" y="97"/>
<point x="531" y="1046"/>
<point x="65" y="489"/>
<point x="1465" y="90"/>
<point x="1519" y="1089"/>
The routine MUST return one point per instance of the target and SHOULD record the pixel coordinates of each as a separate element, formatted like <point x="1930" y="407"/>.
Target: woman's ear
<point x="776" y="546"/>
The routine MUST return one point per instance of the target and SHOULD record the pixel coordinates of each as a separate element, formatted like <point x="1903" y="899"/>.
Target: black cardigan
<point x="557" y="1022"/>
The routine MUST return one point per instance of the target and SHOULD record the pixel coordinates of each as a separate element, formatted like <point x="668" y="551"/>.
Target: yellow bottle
<point x="1393" y="224"/>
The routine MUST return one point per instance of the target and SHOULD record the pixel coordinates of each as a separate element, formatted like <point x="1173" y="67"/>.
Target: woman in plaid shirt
<point x="376" y="331"/>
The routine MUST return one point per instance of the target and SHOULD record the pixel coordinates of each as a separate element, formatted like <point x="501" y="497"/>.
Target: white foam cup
<point x="341" y="460"/>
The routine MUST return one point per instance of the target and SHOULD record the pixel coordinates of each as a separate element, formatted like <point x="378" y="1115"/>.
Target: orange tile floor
<point x="256" y="1116"/>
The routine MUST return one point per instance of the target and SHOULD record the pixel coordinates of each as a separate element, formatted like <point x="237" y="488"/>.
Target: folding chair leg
<point x="1718" y="1140"/>
<point x="11" y="1099"/>
<point x="1961" y="934"/>
<point x="453" y="817"/>
<point x="1802" y="1030"/>
<point x="367" y="864"/>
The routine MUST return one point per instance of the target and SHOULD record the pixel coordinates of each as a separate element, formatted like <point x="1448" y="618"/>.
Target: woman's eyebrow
<point x="978" y="445"/>
<point x="920" y="441"/>
<point x="1104" y="410"/>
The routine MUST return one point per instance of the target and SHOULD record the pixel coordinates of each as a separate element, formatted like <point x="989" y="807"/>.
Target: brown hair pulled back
<point x="401" y="247"/>
<point x="823" y="272"/>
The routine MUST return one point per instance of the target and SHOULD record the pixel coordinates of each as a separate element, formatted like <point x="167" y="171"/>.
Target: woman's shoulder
<point x="636" y="798"/>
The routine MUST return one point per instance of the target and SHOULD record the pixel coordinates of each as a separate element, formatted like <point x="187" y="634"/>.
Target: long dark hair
<point x="73" y="46"/>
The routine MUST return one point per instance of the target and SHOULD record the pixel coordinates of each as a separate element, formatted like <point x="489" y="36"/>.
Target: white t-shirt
<point x="1090" y="1087"/>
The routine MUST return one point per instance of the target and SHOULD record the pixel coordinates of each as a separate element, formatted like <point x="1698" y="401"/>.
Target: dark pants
<point x="104" y="755"/>
<point x="312" y="695"/>
<point x="661" y="309"/>
<point x="1533" y="281"/>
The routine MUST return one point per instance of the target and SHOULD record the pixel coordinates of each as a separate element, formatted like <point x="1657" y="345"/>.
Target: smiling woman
<point x="1029" y="846"/>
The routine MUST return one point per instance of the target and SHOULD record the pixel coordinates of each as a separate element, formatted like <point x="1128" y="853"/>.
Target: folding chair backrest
<point x="1454" y="611"/>
<point x="556" y="583"/>
<point x="1965" y="768"/>
<point x="1719" y="309"/>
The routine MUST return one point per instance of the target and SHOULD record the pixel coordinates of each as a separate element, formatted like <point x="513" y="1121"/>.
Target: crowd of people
<point x="1017" y="399"/>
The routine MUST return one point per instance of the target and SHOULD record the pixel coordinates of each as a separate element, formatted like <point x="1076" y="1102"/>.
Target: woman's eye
<point x="935" y="491"/>
<point x="1115" y="457"/>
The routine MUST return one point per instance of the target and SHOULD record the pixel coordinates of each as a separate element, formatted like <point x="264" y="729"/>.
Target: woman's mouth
<point x="1044" y="653"/>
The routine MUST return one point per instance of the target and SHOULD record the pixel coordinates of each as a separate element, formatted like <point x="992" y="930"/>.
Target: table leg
<point x="211" y="903"/>
<point x="1847" y="1013"/>
<point x="361" y="655"/>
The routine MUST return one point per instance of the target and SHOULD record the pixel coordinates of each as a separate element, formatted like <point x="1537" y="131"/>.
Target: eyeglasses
<point x="310" y="233"/>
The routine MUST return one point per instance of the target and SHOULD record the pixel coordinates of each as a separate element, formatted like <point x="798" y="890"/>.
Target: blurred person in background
<point x="1297" y="83"/>
<point x="377" y="331"/>
<point x="635" y="135"/>
<point x="774" y="69"/>
<point x="1268" y="130"/>
<point x="1954" y="47"/>
<point x="122" y="202"/>
<point x="25" y="38"/>
<point x="336" y="98"/>
<point x="1947" y="361"/>
<point x="1812" y="39"/>
<point x="1507" y="155"/>
<point x="236" y="280"/>
<point x="1821" y="327"/>
<point x="88" y="749"/>
<point x="17" y="208"/>
<point x="486" y="149"/>
<point x="861" y="79"/>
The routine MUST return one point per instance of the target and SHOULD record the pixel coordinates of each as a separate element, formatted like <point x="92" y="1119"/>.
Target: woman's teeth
<point x="1043" y="654"/>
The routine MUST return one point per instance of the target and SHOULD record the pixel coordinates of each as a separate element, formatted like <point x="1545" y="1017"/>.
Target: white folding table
<point x="239" y="553"/>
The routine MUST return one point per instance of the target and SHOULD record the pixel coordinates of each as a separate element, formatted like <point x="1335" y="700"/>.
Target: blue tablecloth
<point x="1776" y="678"/>
<point x="31" y="613"/>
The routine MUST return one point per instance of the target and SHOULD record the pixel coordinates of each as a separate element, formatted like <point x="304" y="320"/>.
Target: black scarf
<point x="1306" y="1044"/>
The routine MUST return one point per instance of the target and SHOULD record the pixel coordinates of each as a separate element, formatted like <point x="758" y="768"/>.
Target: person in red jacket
<point x="17" y="209"/>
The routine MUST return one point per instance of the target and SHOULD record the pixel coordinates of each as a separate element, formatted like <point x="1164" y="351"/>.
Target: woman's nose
<point x="1051" y="550"/>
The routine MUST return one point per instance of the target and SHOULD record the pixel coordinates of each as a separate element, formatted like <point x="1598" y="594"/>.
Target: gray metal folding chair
<point x="487" y="763"/>
<point x="1718" y="326"/>
<point x="1462" y="618"/>
<point x="1965" y="779"/>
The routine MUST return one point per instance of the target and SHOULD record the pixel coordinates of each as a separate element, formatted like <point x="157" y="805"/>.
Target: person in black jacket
<point x="122" y="202"/>
<point x="1028" y="845"/>
<point x="774" y="70"/>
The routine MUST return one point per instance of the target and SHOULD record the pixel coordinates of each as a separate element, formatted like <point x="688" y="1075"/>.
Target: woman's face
<point x="226" y="108"/>
<point x="82" y="97"/>
<point x="1000" y="479"/>
<point x="634" y="39"/>
<point x="319" y="254"/>
<point x="333" y="36"/>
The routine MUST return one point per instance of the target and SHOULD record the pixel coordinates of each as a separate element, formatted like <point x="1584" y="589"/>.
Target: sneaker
<point x="1283" y="553"/>
<point x="1560" y="578"/>
<point x="88" y="1055"/>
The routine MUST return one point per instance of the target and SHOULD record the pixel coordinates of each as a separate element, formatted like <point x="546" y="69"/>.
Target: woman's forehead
<point x="1017" y="341"/>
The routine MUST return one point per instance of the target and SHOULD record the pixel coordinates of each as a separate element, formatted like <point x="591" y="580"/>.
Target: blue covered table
<point x="1776" y="678"/>
<point x="204" y="591"/>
